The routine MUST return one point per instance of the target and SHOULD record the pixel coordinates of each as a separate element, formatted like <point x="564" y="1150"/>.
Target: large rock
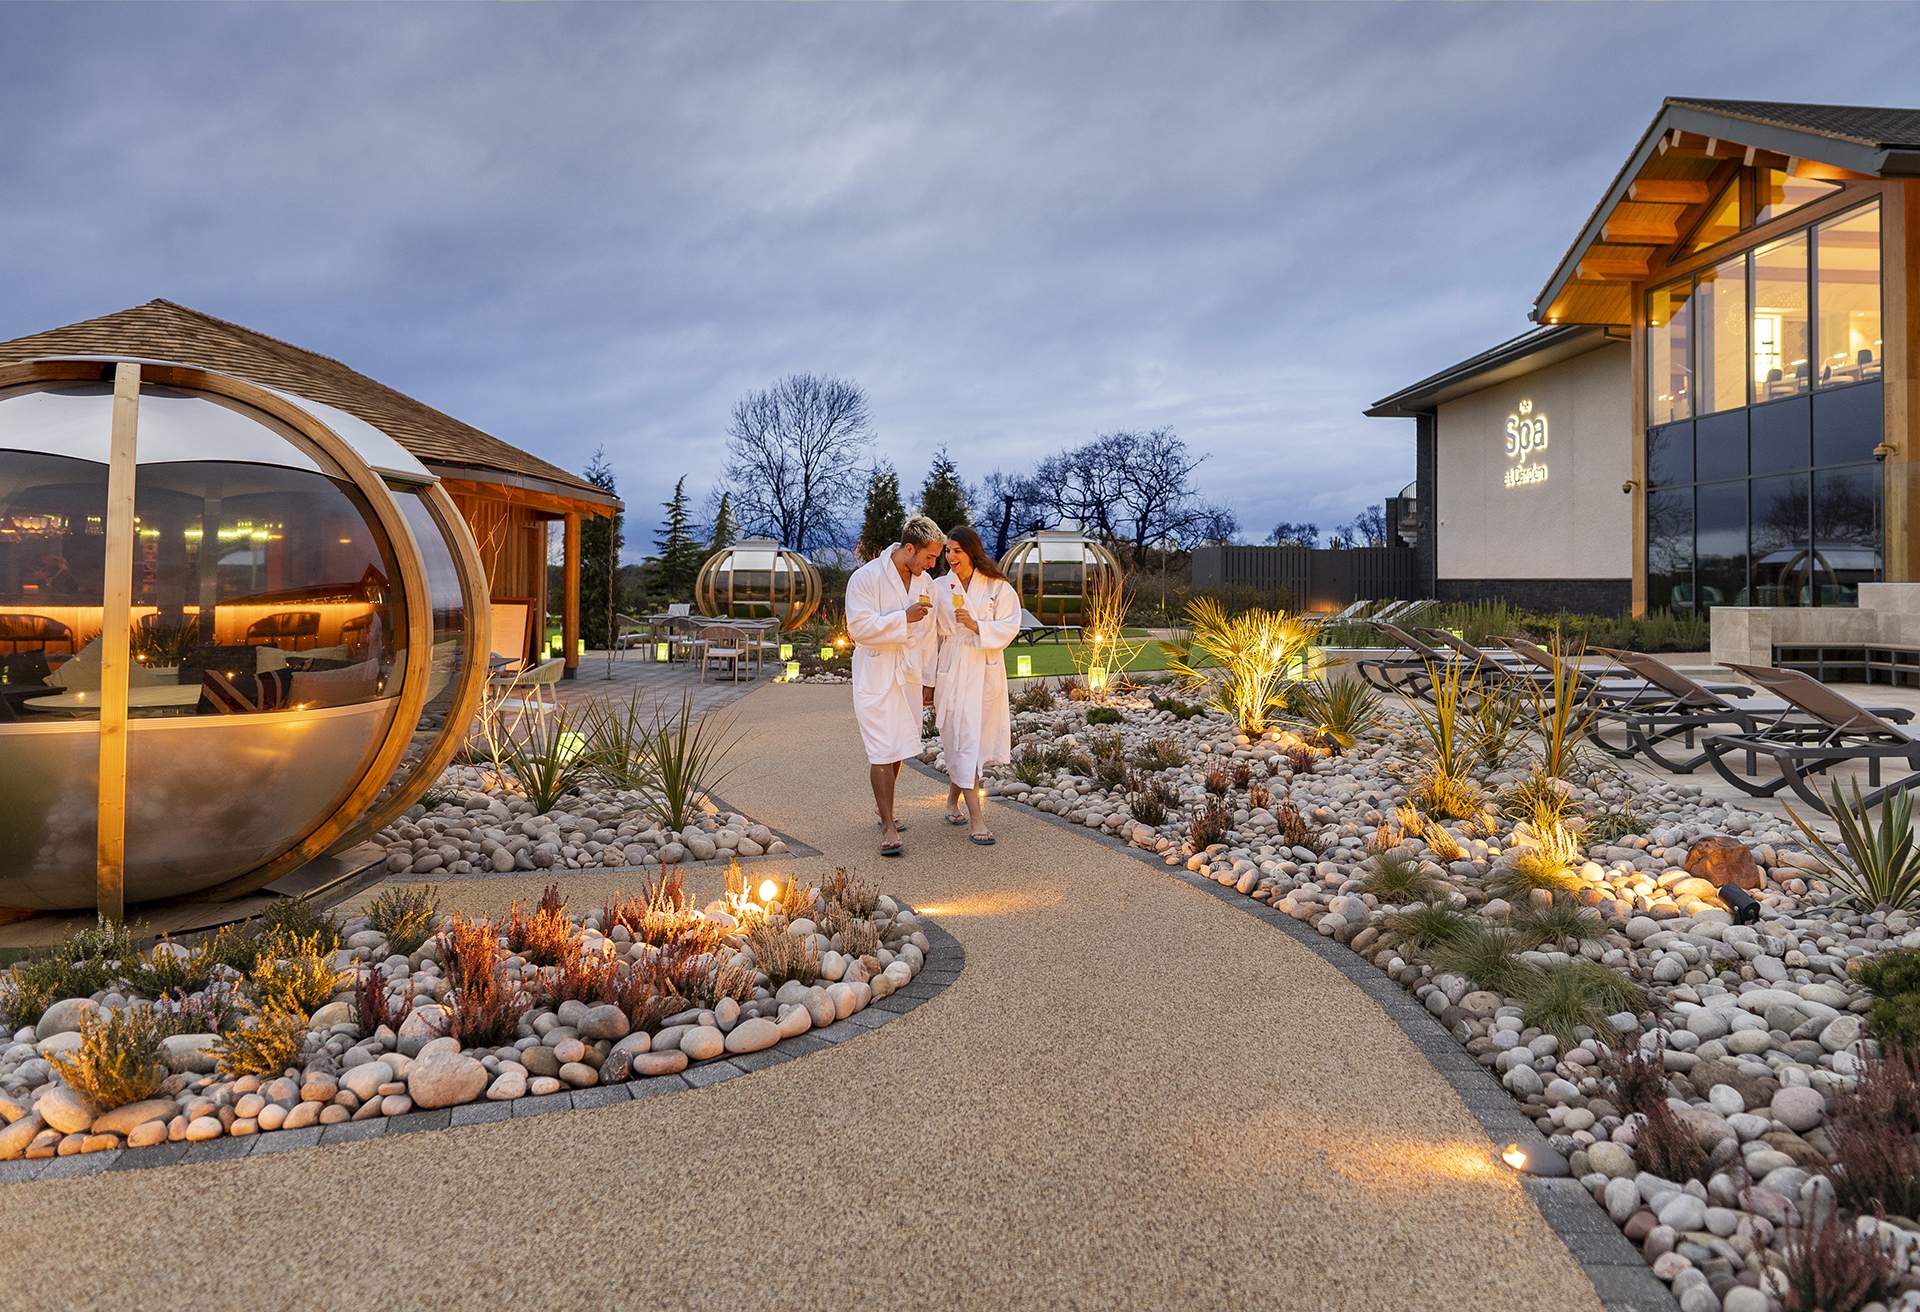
<point x="189" y="1053"/>
<point x="422" y="1025"/>
<point x="15" y="1138"/>
<point x="364" y="1081"/>
<point x="64" y="1017"/>
<point x="1799" y="1109"/>
<point x="1723" y="861"/>
<point x="604" y="1022"/>
<point x="66" y="1110"/>
<point x="753" y="1035"/>
<point x="445" y="1080"/>
<point x="122" y="1120"/>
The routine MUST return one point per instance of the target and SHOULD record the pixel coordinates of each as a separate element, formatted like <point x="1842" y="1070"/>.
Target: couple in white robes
<point x="919" y="640"/>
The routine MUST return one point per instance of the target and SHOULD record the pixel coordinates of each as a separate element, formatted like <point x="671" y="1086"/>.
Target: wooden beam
<point x="1613" y="263"/>
<point x="1637" y="445"/>
<point x="116" y="624"/>
<point x="1668" y="191"/>
<point x="1645" y="229"/>
<point x="570" y="602"/>
<point x="1900" y="229"/>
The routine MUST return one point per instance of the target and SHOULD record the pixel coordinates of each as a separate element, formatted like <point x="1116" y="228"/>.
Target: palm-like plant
<point x="1338" y="711"/>
<point x="1253" y="650"/>
<point x="548" y="764"/>
<point x="1880" y="867"/>
<point x="1560" y="710"/>
<point x="688" y="760"/>
<point x="616" y="743"/>
<point x="1446" y="787"/>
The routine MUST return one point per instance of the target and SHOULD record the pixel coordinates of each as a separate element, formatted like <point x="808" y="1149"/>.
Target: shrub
<point x="541" y="938"/>
<point x="1300" y="760"/>
<point x="1161" y="754"/>
<point x="1562" y="999"/>
<point x="1292" y="827"/>
<point x="485" y="1008"/>
<point x="1104" y="715"/>
<point x="1110" y="770"/>
<point x="1340" y="712"/>
<point x="1216" y="782"/>
<point x="1662" y="1145"/>
<point x="1881" y="867"/>
<point x="860" y="898"/>
<point x="162" y="971"/>
<point x="549" y="765"/>
<point x="1489" y="956"/>
<point x="1423" y="929"/>
<point x="29" y="987"/>
<point x="214" y="1010"/>
<point x="119" y="1059"/>
<point x="1876" y="1158"/>
<point x="1210" y="824"/>
<point x="689" y="760"/>
<point x="1029" y="767"/>
<point x="1253" y="650"/>
<point x="293" y="974"/>
<point x="300" y="918"/>
<point x="1894" y="980"/>
<point x="1614" y="826"/>
<point x="1150" y="800"/>
<point x="1829" y="1265"/>
<point x="640" y="990"/>
<point x="1258" y="798"/>
<point x="405" y="916"/>
<point x="371" y="1001"/>
<point x="267" y="1044"/>
<point x="783" y="956"/>
<point x="861" y="938"/>
<point x="1397" y="879"/>
<point x="1561" y="923"/>
<point x="1035" y="696"/>
<point x="616" y="743"/>
<point x="1178" y="709"/>
<point x="1241" y="774"/>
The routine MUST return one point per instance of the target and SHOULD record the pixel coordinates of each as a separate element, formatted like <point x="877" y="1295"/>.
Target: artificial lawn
<point x="1053" y="657"/>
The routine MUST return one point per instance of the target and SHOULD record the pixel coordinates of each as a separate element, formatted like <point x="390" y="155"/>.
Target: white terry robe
<point x="889" y="658"/>
<point x="970" y="692"/>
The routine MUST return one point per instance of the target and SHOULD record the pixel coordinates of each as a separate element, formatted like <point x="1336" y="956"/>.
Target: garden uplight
<point x="826" y="653"/>
<point x="1023" y="666"/>
<point x="1541" y="1160"/>
<point x="660" y="652"/>
<point x="793" y="671"/>
<point x="769" y="890"/>
<point x="786" y="651"/>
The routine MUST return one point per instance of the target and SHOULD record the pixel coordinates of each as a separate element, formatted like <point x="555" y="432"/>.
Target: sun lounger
<point x="1829" y="730"/>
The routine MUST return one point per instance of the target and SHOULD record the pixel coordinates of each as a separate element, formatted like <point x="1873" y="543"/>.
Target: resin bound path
<point x="1134" y="1095"/>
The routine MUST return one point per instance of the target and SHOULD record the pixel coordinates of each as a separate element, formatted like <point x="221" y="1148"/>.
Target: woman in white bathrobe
<point x="978" y="614"/>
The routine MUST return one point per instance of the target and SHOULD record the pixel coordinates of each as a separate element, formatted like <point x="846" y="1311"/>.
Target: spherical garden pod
<point x="758" y="579"/>
<point x="239" y="630"/>
<point x="1056" y="571"/>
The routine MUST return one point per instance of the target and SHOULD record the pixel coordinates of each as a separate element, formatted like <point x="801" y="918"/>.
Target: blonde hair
<point x="921" y="532"/>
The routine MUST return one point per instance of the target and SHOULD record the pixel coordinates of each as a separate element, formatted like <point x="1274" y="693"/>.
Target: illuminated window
<point x="1775" y="193"/>
<point x="1781" y="364"/>
<point x="1669" y="346"/>
<point x="1722" y="221"/>
<point x="1847" y="285"/>
<point x="1720" y="306"/>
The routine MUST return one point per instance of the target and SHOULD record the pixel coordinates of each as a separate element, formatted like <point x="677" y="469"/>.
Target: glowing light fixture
<point x="793" y="671"/>
<point x="1540" y="1159"/>
<point x="769" y="890"/>
<point x="660" y="652"/>
<point x="1023" y="666"/>
<point x="1096" y="678"/>
<point x="786" y="651"/>
<point x="826" y="653"/>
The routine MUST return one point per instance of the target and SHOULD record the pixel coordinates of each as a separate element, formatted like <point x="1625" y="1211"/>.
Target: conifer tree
<point x="943" y="499"/>
<point x="885" y="517"/>
<point x="680" y="556"/>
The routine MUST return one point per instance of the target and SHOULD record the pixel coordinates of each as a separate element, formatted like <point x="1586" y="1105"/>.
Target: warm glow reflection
<point x="992" y="904"/>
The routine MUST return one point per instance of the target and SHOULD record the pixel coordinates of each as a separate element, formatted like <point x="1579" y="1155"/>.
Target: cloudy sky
<point x="1017" y="227"/>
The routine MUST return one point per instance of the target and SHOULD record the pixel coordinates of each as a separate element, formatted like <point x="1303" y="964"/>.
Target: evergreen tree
<point x="885" y="517"/>
<point x="725" y="531"/>
<point x="680" y="555"/>
<point x="943" y="499"/>
<point x="600" y="543"/>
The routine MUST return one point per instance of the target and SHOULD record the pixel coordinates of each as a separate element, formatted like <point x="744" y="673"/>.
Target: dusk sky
<point x="1016" y="227"/>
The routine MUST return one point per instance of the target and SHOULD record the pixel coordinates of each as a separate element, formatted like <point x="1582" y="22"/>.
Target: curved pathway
<point x="1134" y="1095"/>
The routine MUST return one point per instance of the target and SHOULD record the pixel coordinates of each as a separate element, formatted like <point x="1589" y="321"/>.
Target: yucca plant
<point x="1446" y="787"/>
<point x="1880" y="867"/>
<point x="616" y="738"/>
<point x="1254" y="650"/>
<point x="1493" y="726"/>
<point x="1338" y="711"/>
<point x="549" y="764"/>
<point x="689" y="760"/>
<point x="1561" y="714"/>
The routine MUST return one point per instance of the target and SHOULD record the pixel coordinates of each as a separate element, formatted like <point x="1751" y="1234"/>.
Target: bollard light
<point x="1023" y="666"/>
<point x="660" y="652"/>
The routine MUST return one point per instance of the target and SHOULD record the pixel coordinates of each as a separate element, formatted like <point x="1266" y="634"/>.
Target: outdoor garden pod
<point x="758" y="579"/>
<point x="1056" y="572"/>
<point x="239" y="630"/>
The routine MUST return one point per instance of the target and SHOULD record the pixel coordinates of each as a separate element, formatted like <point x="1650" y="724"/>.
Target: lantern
<point x="1023" y="666"/>
<point x="241" y="630"/>
<point x="1056" y="571"/>
<point x="757" y="578"/>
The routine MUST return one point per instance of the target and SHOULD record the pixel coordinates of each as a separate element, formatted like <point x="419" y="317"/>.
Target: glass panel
<point x="1780" y="360"/>
<point x="1846" y="533"/>
<point x="1776" y="193"/>
<point x="449" y="608"/>
<point x="1847" y="283"/>
<point x="1780" y="556"/>
<point x="1721" y="516"/>
<point x="1721" y="442"/>
<point x="1720" y="307"/>
<point x="1780" y="437"/>
<point x="1847" y="423"/>
<point x="1670" y="455"/>
<point x="1670" y="549"/>
<point x="1722" y="221"/>
<point x="1669" y="373"/>
<point x="177" y="425"/>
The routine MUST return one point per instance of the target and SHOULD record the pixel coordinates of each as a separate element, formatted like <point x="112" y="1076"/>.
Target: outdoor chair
<point x="1411" y="669"/>
<point x="722" y="643"/>
<point x="38" y="632"/>
<point x="532" y="691"/>
<point x="1032" y="630"/>
<point x="287" y="630"/>
<point x="1830" y="730"/>
<point x="1603" y="688"/>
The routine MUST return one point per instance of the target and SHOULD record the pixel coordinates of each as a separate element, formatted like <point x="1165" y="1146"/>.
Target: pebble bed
<point x="1759" y="1024"/>
<point x="348" y="1073"/>
<point x="472" y="829"/>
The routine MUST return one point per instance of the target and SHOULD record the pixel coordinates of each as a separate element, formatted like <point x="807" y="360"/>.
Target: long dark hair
<point x="976" y="550"/>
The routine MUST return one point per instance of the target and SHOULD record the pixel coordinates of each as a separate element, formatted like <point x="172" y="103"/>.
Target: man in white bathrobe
<point x="889" y="619"/>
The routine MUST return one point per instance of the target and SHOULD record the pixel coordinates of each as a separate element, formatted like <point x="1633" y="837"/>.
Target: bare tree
<point x="1135" y="490"/>
<point x="796" y="459"/>
<point x="1009" y="505"/>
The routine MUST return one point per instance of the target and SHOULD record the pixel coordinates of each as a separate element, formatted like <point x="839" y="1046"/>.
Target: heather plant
<point x="485" y="1005"/>
<point x="267" y="1043"/>
<point x="859" y="897"/>
<point x="1292" y="827"/>
<point x="1150" y="799"/>
<point x="1216" y="782"/>
<point x="1035" y="696"/>
<point x="405" y="915"/>
<point x="1210" y="824"/>
<point x="169" y="969"/>
<point x="1828" y="1265"/>
<point x="861" y="938"/>
<point x="1662" y="1144"/>
<point x="1876" y="1157"/>
<point x="1161" y="754"/>
<point x="216" y="1009"/>
<point x="299" y="918"/>
<point x="542" y="937"/>
<point x="293" y="974"/>
<point x="1241" y="774"/>
<point x="782" y="956"/>
<point x="374" y="1004"/>
<point x="119" y="1059"/>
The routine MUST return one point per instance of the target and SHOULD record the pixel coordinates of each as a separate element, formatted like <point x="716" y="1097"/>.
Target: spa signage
<point x="1526" y="438"/>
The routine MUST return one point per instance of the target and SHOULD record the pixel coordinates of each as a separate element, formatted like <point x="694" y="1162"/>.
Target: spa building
<point x="1717" y="405"/>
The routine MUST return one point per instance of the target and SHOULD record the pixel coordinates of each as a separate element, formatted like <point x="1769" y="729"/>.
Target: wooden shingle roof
<point x="163" y="330"/>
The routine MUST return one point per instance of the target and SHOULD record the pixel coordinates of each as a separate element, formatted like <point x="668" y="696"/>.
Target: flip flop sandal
<point x="983" y="840"/>
<point x="899" y="826"/>
<point x="953" y="819"/>
<point x="890" y="849"/>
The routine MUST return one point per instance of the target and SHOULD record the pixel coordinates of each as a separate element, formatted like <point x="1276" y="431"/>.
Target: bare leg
<point x="953" y="801"/>
<point x="882" y="778"/>
<point x="977" y="813"/>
